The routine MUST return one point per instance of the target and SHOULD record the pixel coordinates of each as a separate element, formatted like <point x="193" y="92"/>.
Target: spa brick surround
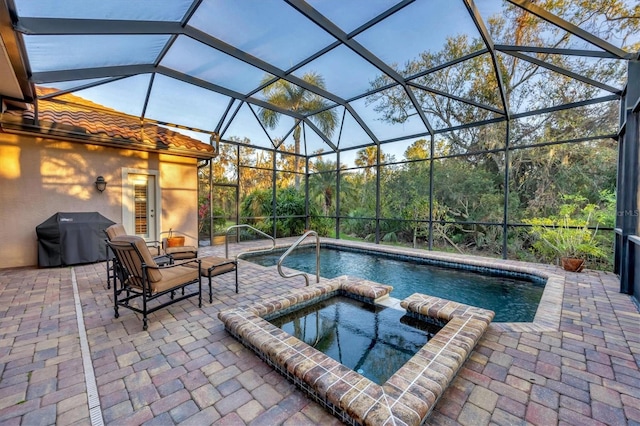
<point x="407" y="397"/>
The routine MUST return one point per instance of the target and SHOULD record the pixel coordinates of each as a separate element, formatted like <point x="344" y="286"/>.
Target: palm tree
<point x="294" y="98"/>
<point x="322" y="184"/>
<point x="367" y="157"/>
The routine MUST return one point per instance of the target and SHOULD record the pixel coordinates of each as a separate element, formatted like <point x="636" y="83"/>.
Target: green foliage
<point x="204" y="213"/>
<point x="219" y="222"/>
<point x="571" y="238"/>
<point x="468" y="192"/>
<point x="360" y="227"/>
<point x="257" y="211"/>
<point x="257" y="204"/>
<point x="390" y="237"/>
<point x="290" y="212"/>
<point x="257" y="208"/>
<point x="571" y="234"/>
<point x="322" y="225"/>
<point x="322" y="185"/>
<point x="606" y="215"/>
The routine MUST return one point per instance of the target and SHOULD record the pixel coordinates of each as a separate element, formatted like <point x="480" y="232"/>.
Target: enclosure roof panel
<point x="379" y="70"/>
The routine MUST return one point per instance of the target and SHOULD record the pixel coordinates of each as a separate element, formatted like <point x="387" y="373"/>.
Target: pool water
<point x="512" y="299"/>
<point x="373" y="340"/>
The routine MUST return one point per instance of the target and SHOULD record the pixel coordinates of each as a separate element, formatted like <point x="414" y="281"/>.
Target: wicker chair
<point x="144" y="281"/>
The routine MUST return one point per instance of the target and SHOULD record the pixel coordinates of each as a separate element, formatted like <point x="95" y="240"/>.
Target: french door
<point x="140" y="210"/>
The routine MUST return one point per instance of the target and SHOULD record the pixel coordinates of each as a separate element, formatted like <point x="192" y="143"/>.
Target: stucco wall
<point x="39" y="177"/>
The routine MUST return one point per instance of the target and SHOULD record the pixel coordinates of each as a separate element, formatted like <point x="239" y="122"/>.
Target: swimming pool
<point x="514" y="297"/>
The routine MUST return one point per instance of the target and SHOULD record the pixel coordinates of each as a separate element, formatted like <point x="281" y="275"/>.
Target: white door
<point x="139" y="207"/>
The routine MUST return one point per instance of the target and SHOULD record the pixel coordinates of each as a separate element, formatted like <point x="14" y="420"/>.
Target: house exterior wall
<point x="39" y="177"/>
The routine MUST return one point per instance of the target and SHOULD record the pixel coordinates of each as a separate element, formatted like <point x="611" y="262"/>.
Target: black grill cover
<point x="72" y="238"/>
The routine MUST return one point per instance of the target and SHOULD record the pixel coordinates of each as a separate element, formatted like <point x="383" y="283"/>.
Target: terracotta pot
<point x="572" y="264"/>
<point x="175" y="241"/>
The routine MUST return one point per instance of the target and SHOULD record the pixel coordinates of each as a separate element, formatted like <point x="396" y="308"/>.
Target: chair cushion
<point x="182" y="252"/>
<point x="154" y="274"/>
<point x="212" y="265"/>
<point x="115" y="231"/>
<point x="173" y="277"/>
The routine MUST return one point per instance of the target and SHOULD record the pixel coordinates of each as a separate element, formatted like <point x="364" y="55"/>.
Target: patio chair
<point x="142" y="280"/>
<point x="117" y="230"/>
<point x="112" y="232"/>
<point x="174" y="246"/>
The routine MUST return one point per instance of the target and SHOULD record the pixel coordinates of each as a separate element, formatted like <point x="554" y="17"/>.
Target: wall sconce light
<point x="101" y="184"/>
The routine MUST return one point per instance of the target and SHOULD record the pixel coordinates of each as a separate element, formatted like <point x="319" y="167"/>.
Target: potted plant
<point x="572" y="242"/>
<point x="174" y="241"/>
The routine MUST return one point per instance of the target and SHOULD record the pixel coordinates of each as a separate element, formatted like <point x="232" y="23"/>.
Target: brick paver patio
<point x="186" y="369"/>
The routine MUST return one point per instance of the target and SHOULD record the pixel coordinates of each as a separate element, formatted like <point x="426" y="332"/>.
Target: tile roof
<point x="92" y="120"/>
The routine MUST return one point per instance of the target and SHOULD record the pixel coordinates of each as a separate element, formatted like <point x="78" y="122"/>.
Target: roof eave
<point x="51" y="130"/>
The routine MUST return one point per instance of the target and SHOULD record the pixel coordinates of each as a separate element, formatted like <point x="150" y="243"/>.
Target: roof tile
<point x="95" y="119"/>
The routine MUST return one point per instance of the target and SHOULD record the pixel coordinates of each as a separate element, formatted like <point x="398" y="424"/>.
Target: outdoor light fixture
<point x="101" y="184"/>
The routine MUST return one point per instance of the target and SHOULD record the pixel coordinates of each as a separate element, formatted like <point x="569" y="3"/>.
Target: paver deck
<point x="186" y="369"/>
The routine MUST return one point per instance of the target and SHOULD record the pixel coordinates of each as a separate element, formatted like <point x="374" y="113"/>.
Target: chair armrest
<point x="195" y="264"/>
<point x="156" y="245"/>
<point x="188" y="262"/>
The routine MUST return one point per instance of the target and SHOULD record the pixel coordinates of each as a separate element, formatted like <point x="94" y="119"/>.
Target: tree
<point x="528" y="86"/>
<point x="419" y="150"/>
<point x="296" y="99"/>
<point x="367" y="157"/>
<point x="322" y="184"/>
<point x="563" y="151"/>
<point x="406" y="196"/>
<point x="289" y="217"/>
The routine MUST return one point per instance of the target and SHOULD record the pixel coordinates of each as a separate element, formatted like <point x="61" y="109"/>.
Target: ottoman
<point x="211" y="266"/>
